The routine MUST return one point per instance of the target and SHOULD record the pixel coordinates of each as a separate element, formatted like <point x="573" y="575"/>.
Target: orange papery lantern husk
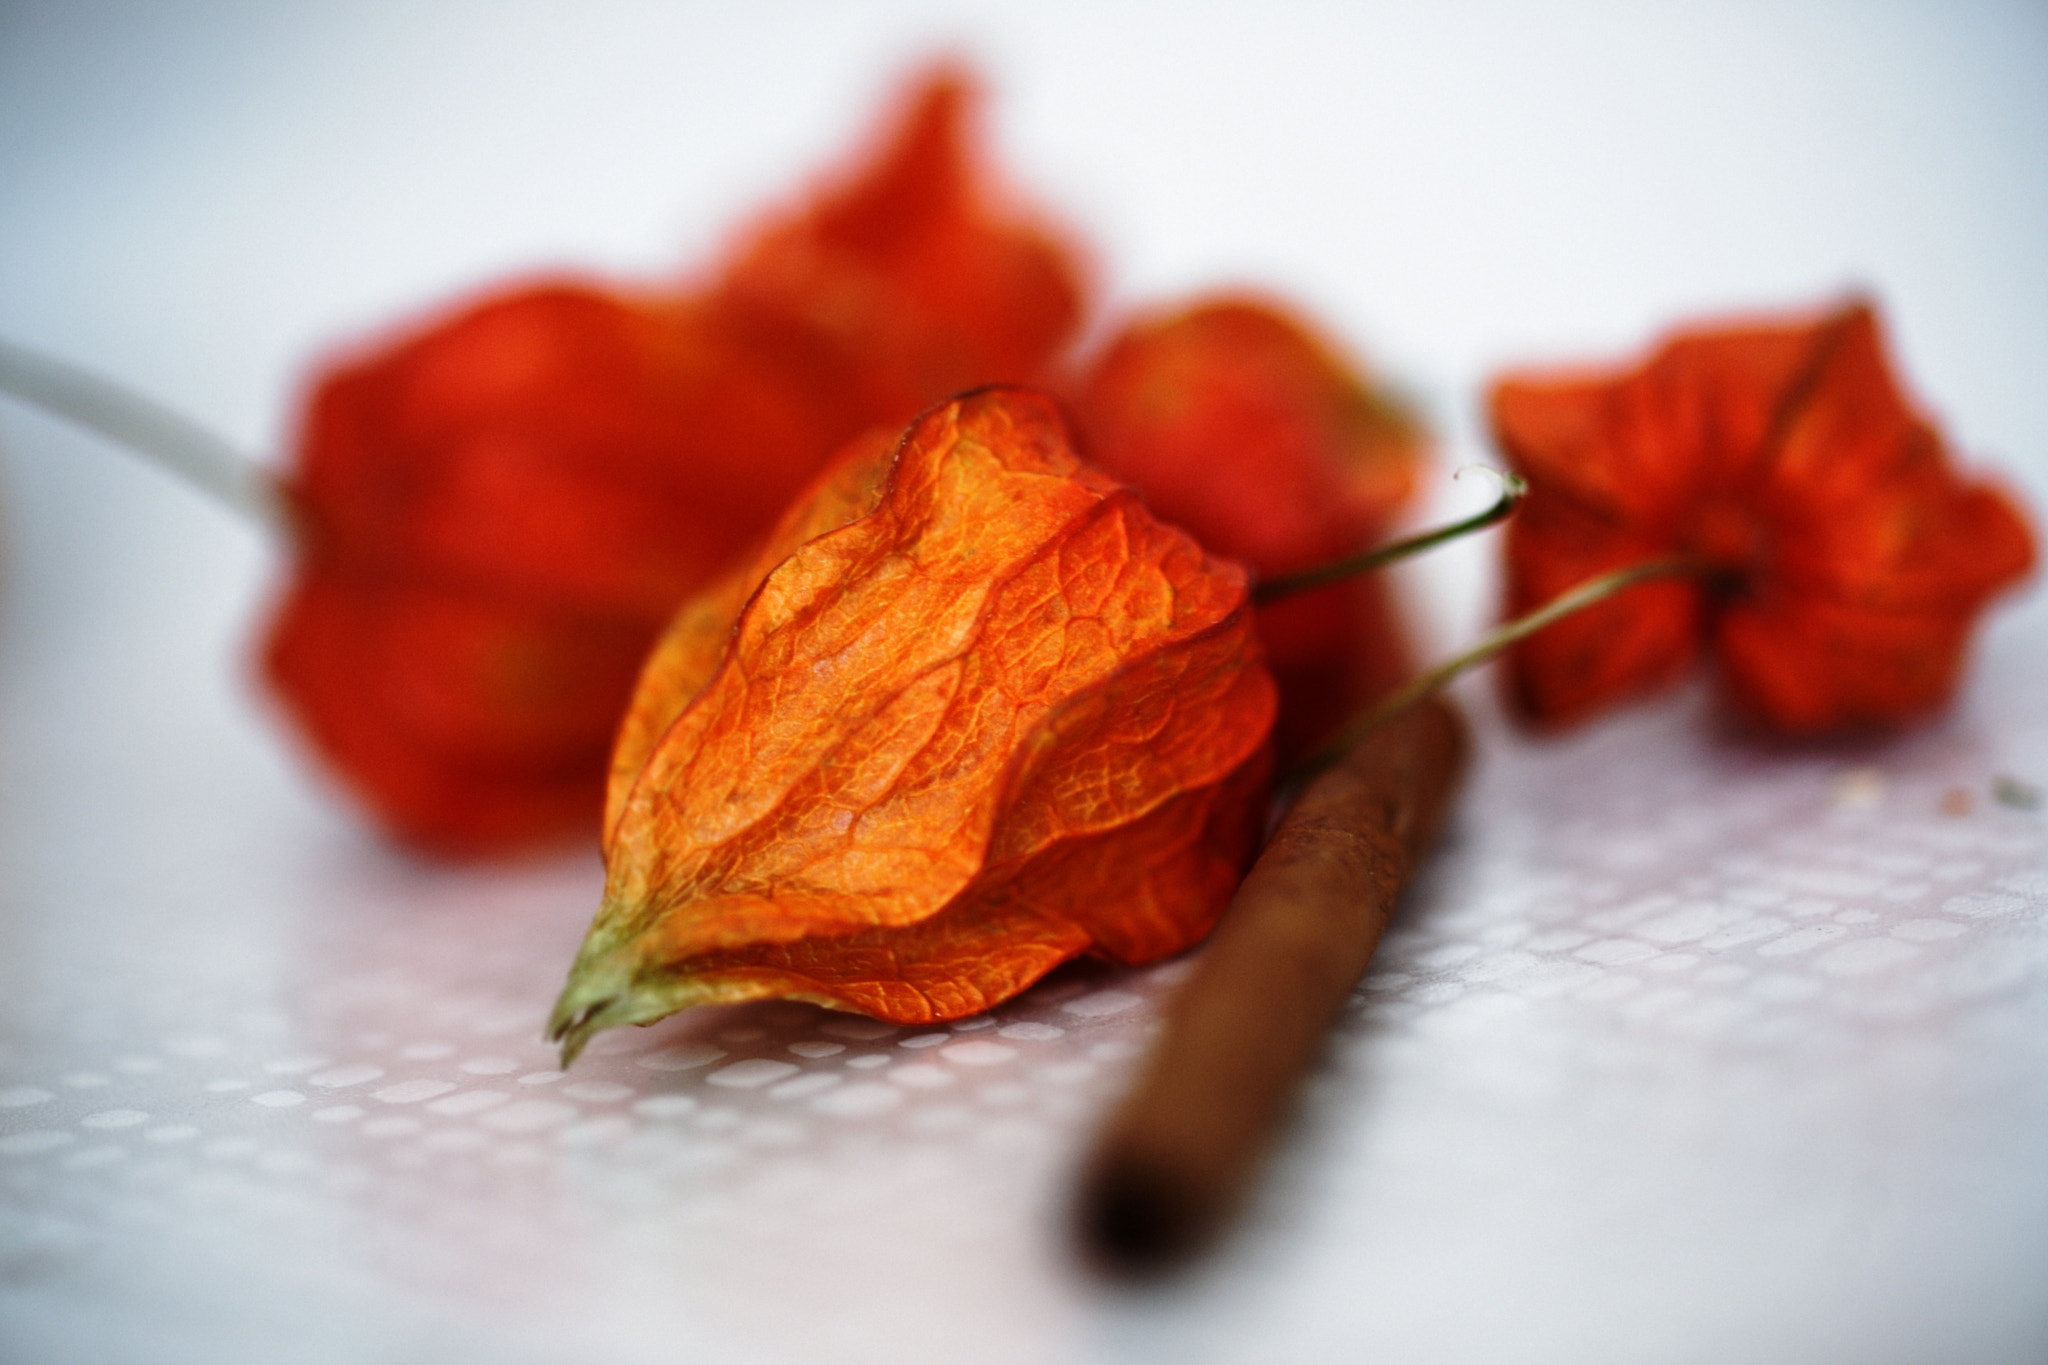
<point x="1842" y="558"/>
<point x="972" y="712"/>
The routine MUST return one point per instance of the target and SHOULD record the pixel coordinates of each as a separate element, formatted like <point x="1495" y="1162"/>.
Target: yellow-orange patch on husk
<point x="977" y="712"/>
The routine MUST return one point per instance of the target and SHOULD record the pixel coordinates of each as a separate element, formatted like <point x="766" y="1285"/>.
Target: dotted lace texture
<point x="1642" y="927"/>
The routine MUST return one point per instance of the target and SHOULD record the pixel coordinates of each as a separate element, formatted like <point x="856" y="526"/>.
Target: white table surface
<point x="1683" y="1050"/>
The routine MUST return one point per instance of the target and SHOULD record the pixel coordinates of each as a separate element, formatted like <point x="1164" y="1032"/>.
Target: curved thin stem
<point x="1585" y="595"/>
<point x="147" y="428"/>
<point x="1512" y="490"/>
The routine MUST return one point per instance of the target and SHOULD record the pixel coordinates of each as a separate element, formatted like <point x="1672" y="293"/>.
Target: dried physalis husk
<point x="976" y="712"/>
<point x="1843" y="557"/>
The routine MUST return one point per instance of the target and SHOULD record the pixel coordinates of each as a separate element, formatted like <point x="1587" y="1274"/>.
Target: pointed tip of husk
<point x="604" y="990"/>
<point x="613" y="982"/>
<point x="577" y="1016"/>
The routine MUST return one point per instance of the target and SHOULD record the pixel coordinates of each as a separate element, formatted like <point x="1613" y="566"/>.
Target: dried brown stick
<point x="1177" y="1156"/>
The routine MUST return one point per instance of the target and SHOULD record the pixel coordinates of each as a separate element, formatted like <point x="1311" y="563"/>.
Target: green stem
<point x="1508" y="633"/>
<point x="155" y="432"/>
<point x="1512" y="490"/>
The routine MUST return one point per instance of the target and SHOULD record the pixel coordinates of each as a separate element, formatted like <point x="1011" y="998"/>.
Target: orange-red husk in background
<point x="1238" y="422"/>
<point x="999" y="717"/>
<point x="1845" y="558"/>
<point x="499" y="510"/>
<point x="917" y="266"/>
<point x="497" y="515"/>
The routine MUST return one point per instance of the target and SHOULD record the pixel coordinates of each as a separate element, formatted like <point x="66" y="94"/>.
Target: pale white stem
<point x="155" y="432"/>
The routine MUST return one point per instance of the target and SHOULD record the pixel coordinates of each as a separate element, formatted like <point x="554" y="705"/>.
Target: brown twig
<point x="1178" y="1155"/>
